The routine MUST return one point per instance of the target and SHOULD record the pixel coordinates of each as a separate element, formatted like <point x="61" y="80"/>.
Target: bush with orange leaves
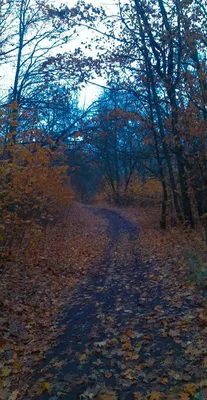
<point x="147" y="194"/>
<point x="34" y="188"/>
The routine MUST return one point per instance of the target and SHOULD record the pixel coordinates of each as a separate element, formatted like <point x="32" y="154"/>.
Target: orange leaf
<point x="184" y="396"/>
<point x="190" y="388"/>
<point x="108" y="374"/>
<point x="155" y="396"/>
<point x="137" y="396"/>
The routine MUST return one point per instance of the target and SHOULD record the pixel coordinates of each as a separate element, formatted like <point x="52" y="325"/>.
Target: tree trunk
<point x="163" y="221"/>
<point x="187" y="211"/>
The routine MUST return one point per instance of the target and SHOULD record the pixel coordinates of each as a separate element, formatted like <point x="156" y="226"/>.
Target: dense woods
<point x="149" y="124"/>
<point x="140" y="143"/>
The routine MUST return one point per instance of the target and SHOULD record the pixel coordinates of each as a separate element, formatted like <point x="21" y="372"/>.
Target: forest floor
<point x="124" y="324"/>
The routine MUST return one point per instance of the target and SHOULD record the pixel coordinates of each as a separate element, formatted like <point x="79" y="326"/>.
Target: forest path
<point x="117" y="343"/>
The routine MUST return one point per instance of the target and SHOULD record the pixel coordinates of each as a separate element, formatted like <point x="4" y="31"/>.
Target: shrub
<point x="34" y="188"/>
<point x="140" y="193"/>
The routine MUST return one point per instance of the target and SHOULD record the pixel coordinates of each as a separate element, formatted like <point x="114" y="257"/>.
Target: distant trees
<point x="150" y="122"/>
<point x="156" y="52"/>
<point x="114" y="136"/>
<point x="160" y="53"/>
<point x="54" y="108"/>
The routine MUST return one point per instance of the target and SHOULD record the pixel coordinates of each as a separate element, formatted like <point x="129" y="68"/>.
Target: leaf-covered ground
<point x="35" y="287"/>
<point x="132" y="329"/>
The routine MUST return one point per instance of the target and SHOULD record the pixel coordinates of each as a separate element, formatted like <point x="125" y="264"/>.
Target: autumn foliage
<point x="34" y="188"/>
<point x="141" y="149"/>
<point x="139" y="193"/>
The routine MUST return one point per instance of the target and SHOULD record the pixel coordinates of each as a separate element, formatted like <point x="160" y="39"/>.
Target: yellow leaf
<point x="6" y="371"/>
<point x="107" y="396"/>
<point x="83" y="357"/>
<point x="154" y="278"/>
<point x="47" y="386"/>
<point x="49" y="375"/>
<point x="108" y="374"/>
<point x="164" y="381"/>
<point x="155" y="396"/>
<point x="190" y="388"/>
<point x="135" y="357"/>
<point x="17" y="368"/>
<point x="184" y="396"/>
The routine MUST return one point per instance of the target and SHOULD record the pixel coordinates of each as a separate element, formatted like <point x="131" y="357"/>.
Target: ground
<point x="130" y="330"/>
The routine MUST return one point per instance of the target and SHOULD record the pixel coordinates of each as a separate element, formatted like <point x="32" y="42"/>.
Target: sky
<point x="91" y="91"/>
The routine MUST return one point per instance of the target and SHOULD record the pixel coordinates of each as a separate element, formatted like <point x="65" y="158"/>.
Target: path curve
<point x="114" y="342"/>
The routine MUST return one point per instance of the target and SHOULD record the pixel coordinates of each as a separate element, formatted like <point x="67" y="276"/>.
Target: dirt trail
<point x="116" y="337"/>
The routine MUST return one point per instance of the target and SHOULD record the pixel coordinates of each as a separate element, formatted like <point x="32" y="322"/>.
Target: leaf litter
<point x="133" y="330"/>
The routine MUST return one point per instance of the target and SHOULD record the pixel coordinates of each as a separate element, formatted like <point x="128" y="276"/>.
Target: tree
<point x="113" y="135"/>
<point x="152" y="42"/>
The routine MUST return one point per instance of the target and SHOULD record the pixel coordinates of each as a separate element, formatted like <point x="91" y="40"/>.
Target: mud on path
<point x="121" y="339"/>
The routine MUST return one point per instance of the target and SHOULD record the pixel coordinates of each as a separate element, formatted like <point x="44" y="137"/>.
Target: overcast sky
<point x="91" y="92"/>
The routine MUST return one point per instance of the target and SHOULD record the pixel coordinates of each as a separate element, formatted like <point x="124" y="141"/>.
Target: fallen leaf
<point x="107" y="396"/>
<point x="184" y="396"/>
<point x="137" y="396"/>
<point x="154" y="278"/>
<point x="203" y="384"/>
<point x="158" y="308"/>
<point x="155" y="396"/>
<point x="130" y="333"/>
<point x="173" y="333"/>
<point x="128" y="374"/>
<point x="112" y="342"/>
<point x="83" y="357"/>
<point x="127" y="346"/>
<point x="47" y="386"/>
<point x="135" y="357"/>
<point x="3" y="343"/>
<point x="108" y="374"/>
<point x="190" y="389"/>
<point x="14" y="395"/>
<point x="49" y="375"/>
<point x="6" y="371"/>
<point x="147" y="337"/>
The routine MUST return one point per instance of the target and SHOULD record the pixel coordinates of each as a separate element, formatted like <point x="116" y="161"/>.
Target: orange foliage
<point x="34" y="188"/>
<point x="147" y="193"/>
<point x="38" y="285"/>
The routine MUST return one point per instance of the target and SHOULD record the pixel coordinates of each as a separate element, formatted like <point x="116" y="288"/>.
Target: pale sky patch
<point x="90" y="92"/>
